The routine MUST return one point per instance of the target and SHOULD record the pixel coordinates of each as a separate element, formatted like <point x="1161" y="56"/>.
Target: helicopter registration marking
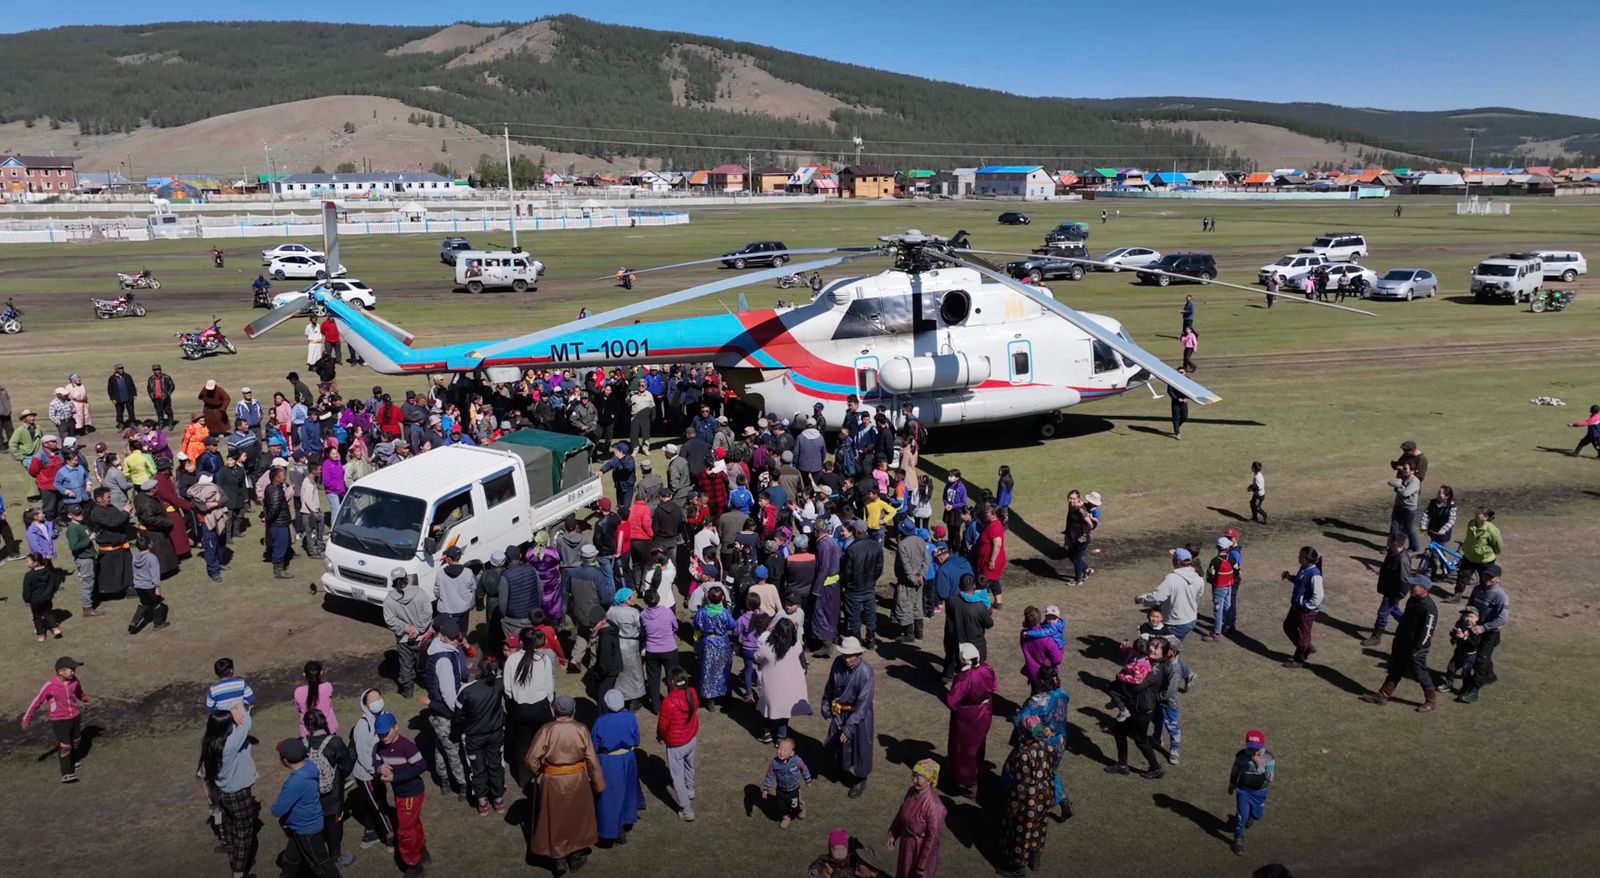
<point x="615" y="349"/>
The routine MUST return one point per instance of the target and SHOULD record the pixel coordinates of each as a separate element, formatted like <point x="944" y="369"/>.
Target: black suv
<point x="1067" y="231"/>
<point x="756" y="253"/>
<point x="1198" y="267"/>
<point x="1050" y="263"/>
<point x="1014" y="218"/>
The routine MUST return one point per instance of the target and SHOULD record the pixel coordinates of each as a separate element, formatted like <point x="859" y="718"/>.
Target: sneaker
<point x="1118" y="768"/>
<point x="69" y="777"/>
<point x="416" y="871"/>
<point x="686" y="816"/>
<point x="784" y="823"/>
<point x="1294" y="663"/>
<point x="1123" y="715"/>
<point x="344" y="860"/>
<point x="1156" y="773"/>
<point x="1374" y="640"/>
<point x="1238" y="847"/>
<point x="1172" y="758"/>
<point x="1189" y="683"/>
<point x="499" y="806"/>
<point x="483" y="810"/>
<point x="369" y="838"/>
<point x="92" y="611"/>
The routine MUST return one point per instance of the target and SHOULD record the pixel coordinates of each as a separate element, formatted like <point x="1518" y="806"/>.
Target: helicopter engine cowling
<point x="953" y="371"/>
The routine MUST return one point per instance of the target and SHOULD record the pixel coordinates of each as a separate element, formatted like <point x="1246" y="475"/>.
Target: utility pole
<point x="1472" y="149"/>
<point x="272" y="180"/>
<point x="511" y="193"/>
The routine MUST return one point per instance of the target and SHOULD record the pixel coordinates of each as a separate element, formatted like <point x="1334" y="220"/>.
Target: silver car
<point x="1405" y="283"/>
<point x="1129" y="257"/>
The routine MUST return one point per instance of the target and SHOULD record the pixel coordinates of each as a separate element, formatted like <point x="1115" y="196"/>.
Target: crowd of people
<point x="768" y="538"/>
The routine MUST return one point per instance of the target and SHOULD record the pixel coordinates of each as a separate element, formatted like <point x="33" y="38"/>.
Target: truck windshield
<point x="1489" y="269"/>
<point x="379" y="523"/>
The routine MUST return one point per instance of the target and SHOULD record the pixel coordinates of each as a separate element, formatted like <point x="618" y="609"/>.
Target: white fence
<point x="54" y="231"/>
<point x="537" y="200"/>
<point x="1487" y="207"/>
<point x="1244" y="194"/>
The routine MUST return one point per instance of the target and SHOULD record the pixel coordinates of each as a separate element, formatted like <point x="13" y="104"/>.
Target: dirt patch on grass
<point x="170" y="56"/>
<point x="451" y="39"/>
<point x="1271" y="146"/>
<point x="743" y="87"/>
<point x="537" y="39"/>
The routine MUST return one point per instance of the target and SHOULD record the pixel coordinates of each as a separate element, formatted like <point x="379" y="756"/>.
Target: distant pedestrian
<point x="61" y="696"/>
<point x="1412" y="639"/>
<point x="678" y="729"/>
<point x="1258" y="493"/>
<point x="1179" y="402"/>
<point x="401" y="766"/>
<point x="1247" y="782"/>
<point x="1188" y="312"/>
<point x="1190" y="341"/>
<point x="1489" y="598"/>
<point x="39" y="587"/>
<point x="229" y="773"/>
<point x="1273" y="283"/>
<point x="786" y="773"/>
<point x="1479" y="549"/>
<point x="1305" y="602"/>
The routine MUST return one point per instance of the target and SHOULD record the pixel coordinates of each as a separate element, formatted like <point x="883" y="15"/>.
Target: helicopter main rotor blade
<point x="272" y="319"/>
<point x="1148" y="361"/>
<point x="648" y="305"/>
<point x="1288" y="297"/>
<point x="794" y="251"/>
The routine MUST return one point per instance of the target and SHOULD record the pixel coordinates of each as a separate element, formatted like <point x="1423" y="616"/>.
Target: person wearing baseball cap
<point x="1178" y="596"/>
<point x="1220" y="575"/>
<point x="1494" y="612"/>
<point x="401" y="766"/>
<point x="1248" y="781"/>
<point x="299" y="809"/>
<point x="1411" y="454"/>
<point x="1408" y="657"/>
<point x="60" y="697"/>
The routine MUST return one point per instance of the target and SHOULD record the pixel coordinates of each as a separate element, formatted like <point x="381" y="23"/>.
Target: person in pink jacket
<point x="63" y="693"/>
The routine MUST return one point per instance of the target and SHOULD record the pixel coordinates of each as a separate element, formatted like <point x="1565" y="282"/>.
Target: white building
<point x="1029" y="182"/>
<point x="380" y="184"/>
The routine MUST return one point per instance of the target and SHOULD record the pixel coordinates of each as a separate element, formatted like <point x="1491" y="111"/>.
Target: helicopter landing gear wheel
<point x="1048" y="426"/>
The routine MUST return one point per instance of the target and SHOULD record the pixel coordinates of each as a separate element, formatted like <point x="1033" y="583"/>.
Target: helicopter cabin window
<point x="1019" y="362"/>
<point x="866" y="379"/>
<point x="1105" y="359"/>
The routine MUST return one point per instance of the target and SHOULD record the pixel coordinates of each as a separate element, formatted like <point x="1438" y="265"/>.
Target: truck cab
<point x="478" y="498"/>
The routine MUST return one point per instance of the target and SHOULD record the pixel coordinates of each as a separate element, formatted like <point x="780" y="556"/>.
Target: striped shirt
<point x="228" y="691"/>
<point x="405" y="761"/>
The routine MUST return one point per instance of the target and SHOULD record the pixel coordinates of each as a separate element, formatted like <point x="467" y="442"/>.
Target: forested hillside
<point x="578" y="86"/>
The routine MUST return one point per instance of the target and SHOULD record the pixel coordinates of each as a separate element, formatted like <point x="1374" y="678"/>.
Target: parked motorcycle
<point x="201" y="342"/>
<point x="122" y="306"/>
<point x="8" y="318"/>
<point x="801" y="279"/>
<point x="143" y="280"/>
<point x="1551" y="300"/>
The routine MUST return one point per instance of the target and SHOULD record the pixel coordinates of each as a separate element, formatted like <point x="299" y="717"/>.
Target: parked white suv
<point x="1293" y="267"/>
<point x="1339" y="246"/>
<point x="1514" y="276"/>
<point x="1563" y="265"/>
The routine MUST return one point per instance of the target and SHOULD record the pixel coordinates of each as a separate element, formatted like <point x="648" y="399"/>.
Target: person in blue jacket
<point x="299" y="809"/>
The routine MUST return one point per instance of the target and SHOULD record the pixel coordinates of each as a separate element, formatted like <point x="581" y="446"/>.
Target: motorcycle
<point x="626" y="278"/>
<point x="122" y="306"/>
<point x="144" y="280"/>
<point x="216" y="258"/>
<point x="801" y="279"/>
<point x="261" y="297"/>
<point x="1551" y="300"/>
<point x="8" y="318"/>
<point x="201" y="342"/>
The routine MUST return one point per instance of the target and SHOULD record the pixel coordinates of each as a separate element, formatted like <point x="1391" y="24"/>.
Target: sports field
<point x="1323" y="399"/>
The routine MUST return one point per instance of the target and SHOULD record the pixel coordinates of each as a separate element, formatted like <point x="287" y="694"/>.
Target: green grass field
<point x="1321" y="398"/>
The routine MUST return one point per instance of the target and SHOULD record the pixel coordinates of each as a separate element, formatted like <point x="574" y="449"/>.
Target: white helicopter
<point x="942" y="330"/>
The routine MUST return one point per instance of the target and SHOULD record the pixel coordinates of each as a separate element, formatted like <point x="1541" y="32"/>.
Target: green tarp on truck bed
<point x="552" y="460"/>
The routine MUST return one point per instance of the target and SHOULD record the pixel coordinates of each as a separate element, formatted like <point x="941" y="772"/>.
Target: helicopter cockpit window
<point x="866" y="380"/>
<point x="954" y="307"/>
<point x="1105" y="359"/>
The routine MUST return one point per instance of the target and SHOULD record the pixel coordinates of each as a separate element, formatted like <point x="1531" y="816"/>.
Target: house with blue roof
<point x="1028" y="182"/>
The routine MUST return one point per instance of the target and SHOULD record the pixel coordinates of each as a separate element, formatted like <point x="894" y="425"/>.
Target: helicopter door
<point x="867" y="385"/>
<point x="1019" y="359"/>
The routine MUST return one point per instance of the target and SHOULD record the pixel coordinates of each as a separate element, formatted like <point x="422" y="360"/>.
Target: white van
<point x="1563" y="265"/>
<point x="480" y="498"/>
<point x="1514" y="276"/>
<point x="480" y="270"/>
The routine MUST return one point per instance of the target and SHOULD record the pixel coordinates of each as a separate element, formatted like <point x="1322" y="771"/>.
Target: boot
<point x="916" y="629"/>
<point x="160" y="616"/>
<point x="1375" y="639"/>
<point x="1381" y="697"/>
<point x="1430" y="700"/>
<point x="281" y="571"/>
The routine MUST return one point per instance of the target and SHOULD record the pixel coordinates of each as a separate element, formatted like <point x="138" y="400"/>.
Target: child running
<point x="61" y="695"/>
<point x="1258" y="491"/>
<point x="785" y="773"/>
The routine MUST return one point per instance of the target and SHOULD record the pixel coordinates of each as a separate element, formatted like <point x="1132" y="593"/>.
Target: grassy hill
<point x="574" y="86"/>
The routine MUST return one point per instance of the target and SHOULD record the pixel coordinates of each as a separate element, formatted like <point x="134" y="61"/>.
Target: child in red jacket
<point x="678" y="727"/>
<point x="63" y="693"/>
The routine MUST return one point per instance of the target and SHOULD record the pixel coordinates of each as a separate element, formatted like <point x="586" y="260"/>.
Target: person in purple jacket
<point x="1039" y="646"/>
<point x="955" y="500"/>
<point x="333" y="480"/>
<point x="547" y="563"/>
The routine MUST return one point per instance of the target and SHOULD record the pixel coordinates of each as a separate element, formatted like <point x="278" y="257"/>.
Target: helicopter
<point x="942" y="330"/>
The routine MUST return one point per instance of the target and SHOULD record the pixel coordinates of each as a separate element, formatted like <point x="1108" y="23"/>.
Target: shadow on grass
<point x="1137" y="428"/>
<point x="1354" y="541"/>
<point x="1079" y="744"/>
<point x="1372" y="565"/>
<point x="1048" y="547"/>
<point x="1215" y="422"/>
<point x="1564" y="452"/>
<point x="1100" y="647"/>
<point x="1341" y="524"/>
<point x="921" y="670"/>
<point x="1209" y="823"/>
<point x="1227" y="513"/>
<point x="1347" y="628"/>
<point x="905" y="751"/>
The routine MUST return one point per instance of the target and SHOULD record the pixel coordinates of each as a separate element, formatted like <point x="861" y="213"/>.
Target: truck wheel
<point x="778" y="261"/>
<point x="519" y="285"/>
<point x="1035" y="275"/>
<point x="474" y="287"/>
<point x="739" y="263"/>
<point x="1162" y="280"/>
<point x="1077" y="272"/>
<point x="1203" y="277"/>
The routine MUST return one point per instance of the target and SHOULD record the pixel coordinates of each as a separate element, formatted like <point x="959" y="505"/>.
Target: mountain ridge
<point x="610" y="91"/>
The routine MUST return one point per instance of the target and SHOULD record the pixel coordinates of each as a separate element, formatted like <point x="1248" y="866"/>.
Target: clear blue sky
<point x="1419" y="55"/>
